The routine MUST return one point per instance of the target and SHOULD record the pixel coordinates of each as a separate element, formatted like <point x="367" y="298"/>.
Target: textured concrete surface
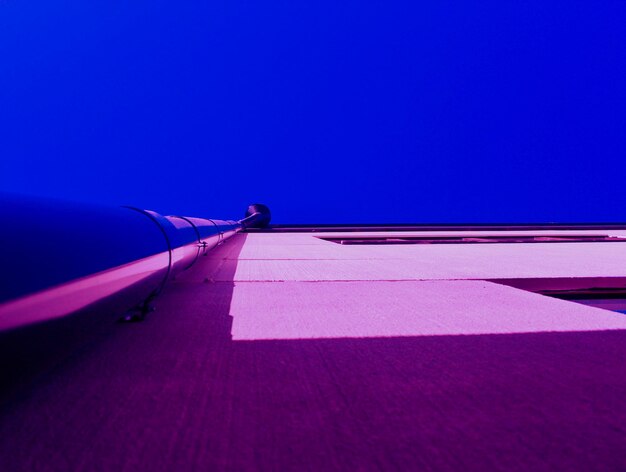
<point x="305" y="310"/>
<point x="231" y="373"/>
<point x="299" y="257"/>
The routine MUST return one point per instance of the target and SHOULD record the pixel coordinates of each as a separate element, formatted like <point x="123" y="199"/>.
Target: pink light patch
<point x="360" y="309"/>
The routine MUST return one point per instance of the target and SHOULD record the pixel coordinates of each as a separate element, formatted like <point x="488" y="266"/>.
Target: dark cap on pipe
<point x="257" y="216"/>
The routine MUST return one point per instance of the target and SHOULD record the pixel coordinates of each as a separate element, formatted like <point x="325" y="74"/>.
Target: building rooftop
<point x="287" y="351"/>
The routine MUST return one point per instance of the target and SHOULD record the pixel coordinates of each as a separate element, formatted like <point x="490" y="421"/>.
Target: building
<point x="354" y="348"/>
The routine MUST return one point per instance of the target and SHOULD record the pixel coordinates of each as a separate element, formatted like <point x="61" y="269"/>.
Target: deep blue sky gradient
<point x="325" y="110"/>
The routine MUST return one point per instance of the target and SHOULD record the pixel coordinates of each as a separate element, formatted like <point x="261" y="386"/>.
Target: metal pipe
<point x="59" y="258"/>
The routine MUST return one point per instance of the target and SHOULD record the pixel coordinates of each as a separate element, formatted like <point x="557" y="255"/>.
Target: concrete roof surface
<point x="287" y="352"/>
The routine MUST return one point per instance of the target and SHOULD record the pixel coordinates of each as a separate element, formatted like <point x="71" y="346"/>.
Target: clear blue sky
<point x="325" y="110"/>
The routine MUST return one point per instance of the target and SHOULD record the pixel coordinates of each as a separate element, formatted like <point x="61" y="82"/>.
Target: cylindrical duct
<point x="59" y="257"/>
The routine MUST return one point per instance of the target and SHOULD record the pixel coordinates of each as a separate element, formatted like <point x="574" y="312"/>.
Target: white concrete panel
<point x="330" y="261"/>
<point x="300" y="310"/>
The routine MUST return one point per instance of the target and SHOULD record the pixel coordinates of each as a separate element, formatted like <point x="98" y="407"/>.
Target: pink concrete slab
<point x="271" y="239"/>
<point x="325" y="250"/>
<point x="288" y="261"/>
<point x="509" y="260"/>
<point x="314" y="270"/>
<point x="299" y="310"/>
